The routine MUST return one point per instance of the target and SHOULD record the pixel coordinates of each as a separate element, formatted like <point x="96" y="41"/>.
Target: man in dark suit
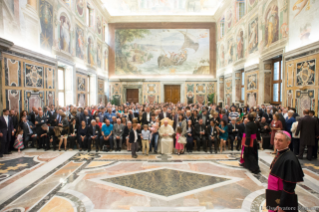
<point x="15" y="123"/>
<point x="241" y="131"/>
<point x="212" y="137"/>
<point x="29" y="133"/>
<point x="6" y="131"/>
<point x="233" y="131"/>
<point x="42" y="135"/>
<point x="146" y="118"/>
<point x="268" y="116"/>
<point x="308" y="128"/>
<point x="53" y="116"/>
<point x="164" y="113"/>
<point x="50" y="138"/>
<point x="200" y="132"/>
<point x="33" y="114"/>
<point x="86" y="117"/>
<point x="205" y="118"/>
<point x="94" y="134"/>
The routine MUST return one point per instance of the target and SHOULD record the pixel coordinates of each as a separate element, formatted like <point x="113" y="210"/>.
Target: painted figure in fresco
<point x="98" y="25"/>
<point x="230" y="52"/>
<point x="80" y="6"/>
<point x="305" y="32"/>
<point x="90" y="52"/>
<point x="229" y="18"/>
<point x="253" y="36"/>
<point x="80" y="44"/>
<point x="81" y="100"/>
<point x="251" y="100"/>
<point x="300" y="5"/>
<point x="65" y="34"/>
<point x="272" y="25"/>
<point x="240" y="45"/>
<point x="99" y="57"/>
<point x="50" y="98"/>
<point x="252" y="2"/>
<point x="222" y="55"/>
<point x="46" y="25"/>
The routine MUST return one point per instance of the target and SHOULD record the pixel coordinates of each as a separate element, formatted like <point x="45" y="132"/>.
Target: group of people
<point x="159" y="128"/>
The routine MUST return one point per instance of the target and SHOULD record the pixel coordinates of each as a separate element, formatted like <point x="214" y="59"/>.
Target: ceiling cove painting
<point x="161" y="7"/>
<point x="161" y="51"/>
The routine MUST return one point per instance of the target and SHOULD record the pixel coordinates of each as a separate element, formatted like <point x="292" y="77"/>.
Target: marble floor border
<point x="24" y="170"/>
<point x="27" y="182"/>
<point x="164" y="209"/>
<point x="172" y="197"/>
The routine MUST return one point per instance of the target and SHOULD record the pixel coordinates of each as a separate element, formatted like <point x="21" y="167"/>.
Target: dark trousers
<point x="190" y="143"/>
<point x="154" y="142"/>
<point x="309" y="151"/>
<point x="97" y="143"/>
<point x="118" y="143"/>
<point x="5" y="143"/>
<point x="231" y="139"/>
<point x="42" y="141"/>
<point x="84" y="143"/>
<point x="54" y="142"/>
<point x="72" y="141"/>
<point x="201" y="141"/>
<point x="315" y="149"/>
<point x="296" y="144"/>
<point x="107" y="142"/>
<point x="134" y="148"/>
<point x="211" y="142"/>
<point x="27" y="140"/>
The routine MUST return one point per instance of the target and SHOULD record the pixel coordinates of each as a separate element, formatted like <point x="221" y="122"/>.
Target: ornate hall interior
<point x="103" y="54"/>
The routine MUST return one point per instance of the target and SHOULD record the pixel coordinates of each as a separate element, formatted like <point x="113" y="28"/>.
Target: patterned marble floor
<point x="99" y="182"/>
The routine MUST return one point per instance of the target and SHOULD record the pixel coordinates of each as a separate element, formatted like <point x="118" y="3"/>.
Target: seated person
<point x="107" y="134"/>
<point x="94" y="133"/>
<point x="166" y="132"/>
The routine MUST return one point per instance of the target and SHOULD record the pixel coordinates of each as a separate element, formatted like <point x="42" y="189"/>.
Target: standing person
<point x="178" y="146"/>
<point x="133" y="140"/>
<point x="154" y="138"/>
<point x="233" y="132"/>
<point x="18" y="143"/>
<point x="73" y="133"/>
<point x="167" y="143"/>
<point x="126" y="135"/>
<point x="223" y="134"/>
<point x="308" y="128"/>
<point x="212" y="137"/>
<point x="6" y="131"/>
<point x="146" y="139"/>
<point x="146" y="119"/>
<point x="189" y="136"/>
<point x="233" y="113"/>
<point x="251" y="146"/>
<point x="275" y="125"/>
<point x="65" y="131"/>
<point x="289" y="121"/>
<point x="285" y="172"/>
<point x="295" y="138"/>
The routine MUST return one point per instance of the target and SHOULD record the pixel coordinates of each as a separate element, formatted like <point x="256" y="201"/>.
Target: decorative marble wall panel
<point x="228" y="91"/>
<point x="26" y="83"/>
<point x="14" y="100"/>
<point x="290" y="75"/>
<point x="33" y="99"/>
<point x="290" y="98"/>
<point x="12" y="70"/>
<point x="151" y="92"/>
<point x="82" y="99"/>
<point x="252" y="99"/>
<point x="238" y="86"/>
<point x="221" y="89"/>
<point x="83" y="89"/>
<point x="306" y="73"/>
<point x="190" y="90"/>
<point x="50" y="98"/>
<point x="252" y="82"/>
<point x="33" y="76"/>
<point x="50" y="78"/>
<point x="305" y="99"/>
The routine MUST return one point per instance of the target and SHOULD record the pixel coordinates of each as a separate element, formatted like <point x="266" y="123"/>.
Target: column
<point x="32" y="22"/>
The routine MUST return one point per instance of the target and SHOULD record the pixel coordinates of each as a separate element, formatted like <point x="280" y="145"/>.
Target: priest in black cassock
<point x="285" y="172"/>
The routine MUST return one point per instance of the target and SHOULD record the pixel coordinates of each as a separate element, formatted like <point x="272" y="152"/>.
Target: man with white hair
<point x="166" y="132"/>
<point x="285" y="172"/>
<point x="118" y="130"/>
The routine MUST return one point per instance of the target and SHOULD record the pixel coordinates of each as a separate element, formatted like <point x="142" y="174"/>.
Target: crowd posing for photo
<point x="164" y="128"/>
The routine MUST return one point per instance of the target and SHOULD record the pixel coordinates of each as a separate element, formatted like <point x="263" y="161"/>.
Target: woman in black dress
<point x="189" y="136"/>
<point x="73" y="133"/>
<point x="82" y="136"/>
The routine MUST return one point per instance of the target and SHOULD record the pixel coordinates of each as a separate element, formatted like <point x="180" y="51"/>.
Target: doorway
<point x="132" y="95"/>
<point x="172" y="93"/>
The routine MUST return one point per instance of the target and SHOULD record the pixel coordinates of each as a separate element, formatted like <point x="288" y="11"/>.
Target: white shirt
<point x="148" y="117"/>
<point x="135" y="136"/>
<point x="6" y="118"/>
<point x="164" y="114"/>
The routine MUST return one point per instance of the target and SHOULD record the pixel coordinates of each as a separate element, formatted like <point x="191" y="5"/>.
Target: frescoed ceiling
<point x="161" y="7"/>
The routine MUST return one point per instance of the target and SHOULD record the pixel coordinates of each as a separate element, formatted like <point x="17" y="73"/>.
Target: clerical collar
<point x="283" y="150"/>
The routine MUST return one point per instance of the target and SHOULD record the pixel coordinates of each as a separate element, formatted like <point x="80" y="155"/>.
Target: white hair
<point x="93" y="120"/>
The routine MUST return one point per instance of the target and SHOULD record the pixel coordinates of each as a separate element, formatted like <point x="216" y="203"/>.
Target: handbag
<point x="182" y="140"/>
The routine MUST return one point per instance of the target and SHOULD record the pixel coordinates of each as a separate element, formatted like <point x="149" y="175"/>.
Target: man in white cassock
<point x="166" y="132"/>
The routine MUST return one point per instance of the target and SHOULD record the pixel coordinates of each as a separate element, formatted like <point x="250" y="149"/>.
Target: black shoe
<point x="89" y="150"/>
<point x="97" y="150"/>
<point x="1" y="155"/>
<point x="256" y="172"/>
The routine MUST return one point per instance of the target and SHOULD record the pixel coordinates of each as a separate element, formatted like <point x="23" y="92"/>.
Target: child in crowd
<point x="146" y="139"/>
<point x="18" y="143"/>
<point x="179" y="147"/>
